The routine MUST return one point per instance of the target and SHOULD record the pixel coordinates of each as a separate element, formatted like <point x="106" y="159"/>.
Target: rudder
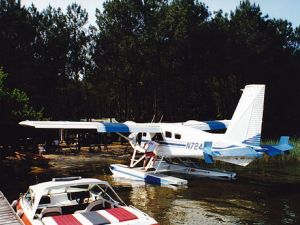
<point x="246" y="123"/>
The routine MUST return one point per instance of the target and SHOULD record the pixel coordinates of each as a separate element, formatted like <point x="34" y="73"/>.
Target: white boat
<point x="76" y="201"/>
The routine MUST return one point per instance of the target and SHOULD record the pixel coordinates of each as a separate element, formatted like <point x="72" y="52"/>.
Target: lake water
<point x="263" y="193"/>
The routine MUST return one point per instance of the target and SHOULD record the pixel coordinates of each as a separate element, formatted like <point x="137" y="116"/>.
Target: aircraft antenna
<point x="153" y="118"/>
<point x="161" y="118"/>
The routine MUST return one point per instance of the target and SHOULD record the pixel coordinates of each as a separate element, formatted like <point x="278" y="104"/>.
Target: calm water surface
<point x="264" y="193"/>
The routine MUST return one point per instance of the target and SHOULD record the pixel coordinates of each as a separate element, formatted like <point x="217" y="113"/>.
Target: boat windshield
<point x="28" y="198"/>
<point x="107" y="193"/>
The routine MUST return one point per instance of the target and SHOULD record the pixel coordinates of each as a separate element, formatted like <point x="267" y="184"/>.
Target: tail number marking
<point x="194" y="145"/>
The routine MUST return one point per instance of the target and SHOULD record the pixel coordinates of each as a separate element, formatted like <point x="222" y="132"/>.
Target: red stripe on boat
<point x="121" y="214"/>
<point x="66" y="220"/>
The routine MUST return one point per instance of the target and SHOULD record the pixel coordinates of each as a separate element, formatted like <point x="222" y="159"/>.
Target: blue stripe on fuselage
<point x="183" y="145"/>
<point x="169" y="143"/>
<point x="166" y="143"/>
<point x="231" y="146"/>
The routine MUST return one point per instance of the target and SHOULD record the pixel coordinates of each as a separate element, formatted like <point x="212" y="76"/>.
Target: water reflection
<point x="289" y="216"/>
<point x="255" y="199"/>
<point x="189" y="206"/>
<point x="268" y="195"/>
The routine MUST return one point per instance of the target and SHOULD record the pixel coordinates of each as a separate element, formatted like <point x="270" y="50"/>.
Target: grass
<point x="294" y="153"/>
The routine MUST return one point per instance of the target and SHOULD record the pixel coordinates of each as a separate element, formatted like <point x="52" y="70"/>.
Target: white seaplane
<point x="76" y="201"/>
<point x="240" y="144"/>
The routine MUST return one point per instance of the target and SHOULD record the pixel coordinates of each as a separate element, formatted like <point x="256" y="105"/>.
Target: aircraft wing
<point x="208" y="125"/>
<point x="127" y="127"/>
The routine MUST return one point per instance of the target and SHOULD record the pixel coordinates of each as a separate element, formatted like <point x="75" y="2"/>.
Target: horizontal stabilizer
<point x="207" y="152"/>
<point x="283" y="146"/>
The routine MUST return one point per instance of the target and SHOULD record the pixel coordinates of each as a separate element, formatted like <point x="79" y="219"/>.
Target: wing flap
<point x="208" y="125"/>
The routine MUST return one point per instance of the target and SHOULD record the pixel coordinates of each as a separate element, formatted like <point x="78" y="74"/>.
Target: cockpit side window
<point x="177" y="136"/>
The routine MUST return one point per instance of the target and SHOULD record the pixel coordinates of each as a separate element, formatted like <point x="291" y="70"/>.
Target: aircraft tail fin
<point x="246" y="122"/>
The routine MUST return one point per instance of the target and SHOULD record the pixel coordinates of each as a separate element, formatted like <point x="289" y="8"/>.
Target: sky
<point x="284" y="9"/>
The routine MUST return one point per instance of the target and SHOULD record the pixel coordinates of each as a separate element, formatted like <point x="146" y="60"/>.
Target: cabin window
<point x="168" y="134"/>
<point x="144" y="134"/>
<point x="157" y="137"/>
<point x="177" y="136"/>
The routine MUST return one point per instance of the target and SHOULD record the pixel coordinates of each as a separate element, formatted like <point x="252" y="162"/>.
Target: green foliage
<point x="15" y="103"/>
<point x="296" y="151"/>
<point x="171" y="58"/>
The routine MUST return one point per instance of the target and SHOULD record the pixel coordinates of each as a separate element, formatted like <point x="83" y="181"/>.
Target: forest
<point x="171" y="58"/>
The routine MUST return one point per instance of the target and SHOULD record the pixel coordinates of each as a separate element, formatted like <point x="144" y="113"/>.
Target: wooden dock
<point x="7" y="214"/>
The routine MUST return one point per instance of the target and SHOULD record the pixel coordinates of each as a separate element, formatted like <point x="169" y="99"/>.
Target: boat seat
<point x="59" y="198"/>
<point x="51" y="211"/>
<point x="122" y="215"/>
<point x="80" y="197"/>
<point x="93" y="206"/>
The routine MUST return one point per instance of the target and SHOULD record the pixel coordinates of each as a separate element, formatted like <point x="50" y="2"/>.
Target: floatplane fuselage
<point x="181" y="141"/>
